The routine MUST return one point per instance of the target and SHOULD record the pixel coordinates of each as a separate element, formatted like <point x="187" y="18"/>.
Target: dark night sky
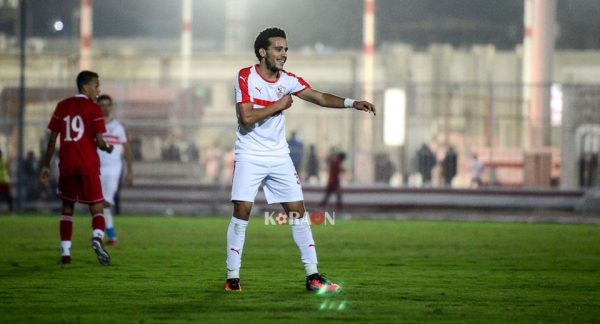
<point x="336" y="23"/>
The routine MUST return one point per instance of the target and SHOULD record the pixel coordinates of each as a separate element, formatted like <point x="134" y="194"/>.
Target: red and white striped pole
<point x="186" y="42"/>
<point x="363" y="159"/>
<point x="538" y="54"/>
<point x="85" y="48"/>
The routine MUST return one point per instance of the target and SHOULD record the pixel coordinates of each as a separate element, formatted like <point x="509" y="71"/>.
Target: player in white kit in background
<point x="111" y="165"/>
<point x="263" y="91"/>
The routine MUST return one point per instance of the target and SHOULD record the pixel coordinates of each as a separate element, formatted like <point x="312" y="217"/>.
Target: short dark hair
<point x="104" y="97"/>
<point x="85" y="77"/>
<point x="262" y="40"/>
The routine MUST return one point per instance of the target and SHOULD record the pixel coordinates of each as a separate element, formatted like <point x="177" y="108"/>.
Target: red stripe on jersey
<point x="297" y="92"/>
<point x="111" y="139"/>
<point x="264" y="103"/>
<point x="300" y="80"/>
<point x="243" y="76"/>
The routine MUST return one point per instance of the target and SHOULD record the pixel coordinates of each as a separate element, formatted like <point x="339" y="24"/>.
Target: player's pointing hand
<point x="365" y="106"/>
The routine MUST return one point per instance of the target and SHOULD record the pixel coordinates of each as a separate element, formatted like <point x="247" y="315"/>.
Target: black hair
<point x="85" y="77"/>
<point x="104" y="97"/>
<point x="262" y="40"/>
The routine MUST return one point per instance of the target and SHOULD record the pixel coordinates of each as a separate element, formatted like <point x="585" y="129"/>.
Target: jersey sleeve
<point x="242" y="95"/>
<point x="98" y="120"/>
<point x="122" y="134"/>
<point x="298" y="84"/>
<point x="55" y="120"/>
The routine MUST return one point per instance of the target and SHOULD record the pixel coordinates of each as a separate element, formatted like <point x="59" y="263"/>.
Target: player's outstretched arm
<point x="102" y="144"/>
<point x="247" y="115"/>
<point x="332" y="101"/>
<point x="50" y="148"/>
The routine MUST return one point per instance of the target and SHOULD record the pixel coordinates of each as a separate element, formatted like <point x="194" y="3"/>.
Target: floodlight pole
<point x="22" y="57"/>
<point x="85" y="48"/>
<point x="538" y="54"/>
<point x="363" y="159"/>
<point x="186" y="42"/>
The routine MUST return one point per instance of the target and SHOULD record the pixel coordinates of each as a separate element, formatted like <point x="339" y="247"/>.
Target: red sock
<point x="66" y="227"/>
<point x="98" y="222"/>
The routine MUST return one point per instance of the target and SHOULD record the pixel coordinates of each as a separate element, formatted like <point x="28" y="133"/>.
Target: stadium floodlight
<point x="58" y="25"/>
<point x="556" y="104"/>
<point x="394" y="116"/>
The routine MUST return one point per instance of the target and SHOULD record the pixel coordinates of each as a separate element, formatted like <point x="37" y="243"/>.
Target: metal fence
<point x="194" y="129"/>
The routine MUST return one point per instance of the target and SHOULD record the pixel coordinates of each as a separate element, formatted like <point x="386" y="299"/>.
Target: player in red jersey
<point x="333" y="183"/>
<point x="80" y="123"/>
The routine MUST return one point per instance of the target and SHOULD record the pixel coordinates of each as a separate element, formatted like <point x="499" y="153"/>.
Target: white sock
<point x="108" y="218"/>
<point x="98" y="233"/>
<point x="310" y="268"/>
<point x="236" y="235"/>
<point x="66" y="247"/>
<point x="304" y="240"/>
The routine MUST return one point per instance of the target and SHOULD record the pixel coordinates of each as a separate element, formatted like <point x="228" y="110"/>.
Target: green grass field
<point x="172" y="270"/>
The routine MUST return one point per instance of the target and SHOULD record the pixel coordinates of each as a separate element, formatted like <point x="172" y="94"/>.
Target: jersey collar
<point x="258" y="72"/>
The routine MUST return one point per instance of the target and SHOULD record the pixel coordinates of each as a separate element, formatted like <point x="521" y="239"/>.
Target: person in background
<point x="426" y="161"/>
<point x="30" y="171"/>
<point x="476" y="169"/>
<point x="111" y="164"/>
<point x="449" y="165"/>
<point x="5" y="183"/>
<point x="296" y="152"/>
<point x="312" y="164"/>
<point x="333" y="183"/>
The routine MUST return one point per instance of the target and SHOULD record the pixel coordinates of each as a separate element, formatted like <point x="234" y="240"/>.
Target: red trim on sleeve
<point x="243" y="76"/>
<point x="300" y="80"/>
<point x="297" y="92"/>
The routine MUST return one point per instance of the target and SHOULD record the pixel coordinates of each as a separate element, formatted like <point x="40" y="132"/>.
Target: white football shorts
<point x="277" y="176"/>
<point x="110" y="185"/>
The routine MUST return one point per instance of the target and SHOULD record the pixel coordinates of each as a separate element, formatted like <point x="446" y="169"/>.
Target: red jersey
<point x="78" y="120"/>
<point x="335" y="168"/>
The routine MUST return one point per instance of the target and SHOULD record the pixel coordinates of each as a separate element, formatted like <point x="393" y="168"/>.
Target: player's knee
<point x="297" y="209"/>
<point x="242" y="210"/>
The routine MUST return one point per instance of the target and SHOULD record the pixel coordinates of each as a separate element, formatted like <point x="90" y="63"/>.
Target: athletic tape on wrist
<point x="349" y="103"/>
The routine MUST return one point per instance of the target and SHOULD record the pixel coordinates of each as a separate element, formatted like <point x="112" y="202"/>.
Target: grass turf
<point x="172" y="270"/>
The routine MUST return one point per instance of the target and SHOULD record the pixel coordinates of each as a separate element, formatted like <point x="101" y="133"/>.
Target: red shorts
<point x="85" y="189"/>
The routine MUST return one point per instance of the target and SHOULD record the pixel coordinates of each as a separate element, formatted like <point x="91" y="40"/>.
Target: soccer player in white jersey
<point x="263" y="91"/>
<point x="111" y="165"/>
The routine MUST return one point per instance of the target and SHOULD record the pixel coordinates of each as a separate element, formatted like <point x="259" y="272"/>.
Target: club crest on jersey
<point x="280" y="91"/>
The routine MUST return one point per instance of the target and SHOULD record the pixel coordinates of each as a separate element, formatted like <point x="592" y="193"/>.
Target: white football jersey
<point x="115" y="135"/>
<point x="267" y="137"/>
